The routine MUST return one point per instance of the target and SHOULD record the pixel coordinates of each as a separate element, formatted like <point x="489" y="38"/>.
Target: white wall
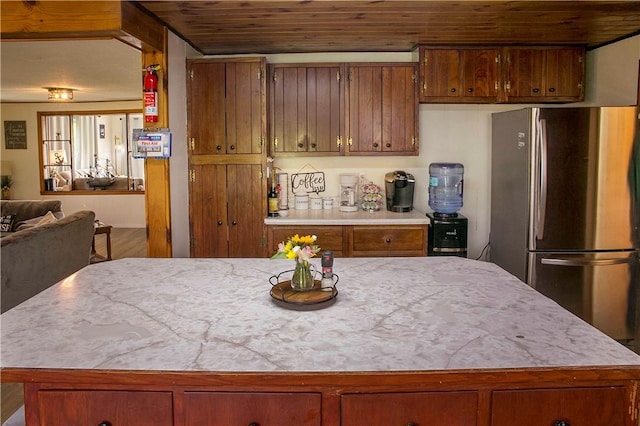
<point x="125" y="211"/>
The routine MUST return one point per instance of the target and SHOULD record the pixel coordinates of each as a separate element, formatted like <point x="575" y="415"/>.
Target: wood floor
<point x="125" y="242"/>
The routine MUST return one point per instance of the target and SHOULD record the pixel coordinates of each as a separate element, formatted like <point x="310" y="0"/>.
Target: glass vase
<point x="302" y="279"/>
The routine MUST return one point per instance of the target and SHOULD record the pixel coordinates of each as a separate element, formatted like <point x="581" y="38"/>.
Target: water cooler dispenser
<point x="448" y="228"/>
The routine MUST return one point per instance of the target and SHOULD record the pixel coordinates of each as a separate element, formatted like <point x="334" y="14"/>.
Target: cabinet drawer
<point x="239" y="408"/>
<point x="405" y="240"/>
<point x="578" y="406"/>
<point x="424" y="408"/>
<point x="329" y="237"/>
<point x="82" y="408"/>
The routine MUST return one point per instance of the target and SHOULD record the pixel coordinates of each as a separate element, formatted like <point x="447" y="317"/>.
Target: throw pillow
<point x="6" y="223"/>
<point x="36" y="221"/>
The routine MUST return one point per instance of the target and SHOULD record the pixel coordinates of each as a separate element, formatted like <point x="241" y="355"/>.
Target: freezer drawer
<point x="599" y="287"/>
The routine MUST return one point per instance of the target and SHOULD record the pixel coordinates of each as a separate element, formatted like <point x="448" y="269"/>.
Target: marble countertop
<point x="397" y="314"/>
<point x="336" y="217"/>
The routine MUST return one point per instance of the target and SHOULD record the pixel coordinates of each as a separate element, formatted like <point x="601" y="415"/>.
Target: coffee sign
<point x="308" y="182"/>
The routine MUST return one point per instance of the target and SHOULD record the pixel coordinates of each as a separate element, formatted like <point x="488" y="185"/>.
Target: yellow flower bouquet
<point x="301" y="249"/>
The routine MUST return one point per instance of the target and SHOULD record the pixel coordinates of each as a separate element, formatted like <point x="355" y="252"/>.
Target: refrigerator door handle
<point x="586" y="262"/>
<point x="541" y="210"/>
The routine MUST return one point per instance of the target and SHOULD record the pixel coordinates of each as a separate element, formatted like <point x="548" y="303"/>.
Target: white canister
<point x="327" y="203"/>
<point x="301" y="201"/>
<point x="315" y="203"/>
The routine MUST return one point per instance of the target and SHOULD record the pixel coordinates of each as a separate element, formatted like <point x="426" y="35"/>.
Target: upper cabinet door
<point x="382" y="106"/>
<point x="545" y="74"/>
<point x="480" y="75"/>
<point x="307" y="108"/>
<point x="440" y="71"/>
<point x="226" y="106"/>
<point x="205" y="105"/>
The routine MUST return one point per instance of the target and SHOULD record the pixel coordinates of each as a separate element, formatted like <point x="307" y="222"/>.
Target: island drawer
<point x="329" y="237"/>
<point x="399" y="240"/>
<point x="575" y="406"/>
<point x="93" y="407"/>
<point x="244" y="408"/>
<point x="419" y="408"/>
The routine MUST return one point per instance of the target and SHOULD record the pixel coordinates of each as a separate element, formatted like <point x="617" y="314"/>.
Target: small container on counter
<point x="327" y="203"/>
<point x="315" y="203"/>
<point x="301" y="201"/>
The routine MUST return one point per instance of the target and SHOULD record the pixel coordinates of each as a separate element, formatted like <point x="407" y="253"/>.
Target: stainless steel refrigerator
<point x="565" y="212"/>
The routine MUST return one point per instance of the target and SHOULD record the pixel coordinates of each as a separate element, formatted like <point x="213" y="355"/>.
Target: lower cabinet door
<point x="424" y="408"/>
<point x="567" y="407"/>
<point x="108" y="408"/>
<point x="260" y="409"/>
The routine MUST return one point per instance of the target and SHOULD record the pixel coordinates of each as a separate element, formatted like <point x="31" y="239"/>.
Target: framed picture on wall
<point x="15" y="134"/>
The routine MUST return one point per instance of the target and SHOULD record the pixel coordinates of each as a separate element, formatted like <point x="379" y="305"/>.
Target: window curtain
<point x="85" y="142"/>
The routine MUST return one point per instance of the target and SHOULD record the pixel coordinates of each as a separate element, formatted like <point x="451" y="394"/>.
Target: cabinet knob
<point x="313" y="145"/>
<point x="470" y="90"/>
<point x="234" y="223"/>
<point x="105" y="423"/>
<point x="375" y="145"/>
<point x="219" y="147"/>
<point x="388" y="145"/>
<point x="232" y="147"/>
<point x="552" y="89"/>
<point x="219" y="223"/>
<point x="300" y="145"/>
<point x="561" y="423"/>
<point x="412" y="424"/>
<point x="536" y="90"/>
<point x="388" y="241"/>
<point x="453" y="90"/>
<point x="254" y="424"/>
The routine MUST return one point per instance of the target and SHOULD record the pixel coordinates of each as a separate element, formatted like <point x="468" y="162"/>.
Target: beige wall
<point x="125" y="211"/>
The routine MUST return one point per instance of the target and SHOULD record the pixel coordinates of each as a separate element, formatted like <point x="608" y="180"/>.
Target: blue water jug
<point x="446" y="187"/>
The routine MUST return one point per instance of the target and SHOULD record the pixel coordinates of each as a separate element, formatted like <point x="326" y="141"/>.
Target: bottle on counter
<point x="327" y="269"/>
<point x="272" y="200"/>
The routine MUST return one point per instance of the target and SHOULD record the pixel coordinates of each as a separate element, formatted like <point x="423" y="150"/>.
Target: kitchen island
<point x="438" y="341"/>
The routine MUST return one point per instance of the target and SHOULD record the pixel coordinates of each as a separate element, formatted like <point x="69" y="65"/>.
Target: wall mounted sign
<point x="151" y="144"/>
<point x="308" y="182"/>
<point x="15" y="134"/>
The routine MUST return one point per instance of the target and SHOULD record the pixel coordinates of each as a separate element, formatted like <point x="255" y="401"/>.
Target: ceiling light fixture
<point x="60" y="94"/>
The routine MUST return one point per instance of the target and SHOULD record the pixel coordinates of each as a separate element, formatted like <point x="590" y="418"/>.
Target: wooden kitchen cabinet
<point x="252" y="408"/>
<point x="545" y="74"/>
<point x="397" y="240"/>
<point x="306" y="108"/>
<point x="93" y="407"/>
<point x="226" y="106"/>
<point x="499" y="74"/>
<point x="382" y="108"/>
<point x="227" y="126"/>
<point x="226" y="210"/>
<point x="578" y="406"/>
<point x="359" y="240"/>
<point x="329" y="237"/>
<point x="465" y="75"/>
<point x="423" y="408"/>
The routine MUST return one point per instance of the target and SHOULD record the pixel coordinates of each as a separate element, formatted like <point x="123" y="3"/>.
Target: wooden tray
<point x="308" y="300"/>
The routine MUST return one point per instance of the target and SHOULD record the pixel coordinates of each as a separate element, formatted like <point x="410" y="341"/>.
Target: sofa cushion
<point x="6" y="223"/>
<point x="36" y="221"/>
<point x="28" y="209"/>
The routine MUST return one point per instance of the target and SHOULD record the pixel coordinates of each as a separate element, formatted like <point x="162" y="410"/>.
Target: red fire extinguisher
<point x="151" y="94"/>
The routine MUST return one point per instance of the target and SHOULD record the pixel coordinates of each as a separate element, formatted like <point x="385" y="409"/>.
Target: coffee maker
<point x="399" y="187"/>
<point x="348" y="192"/>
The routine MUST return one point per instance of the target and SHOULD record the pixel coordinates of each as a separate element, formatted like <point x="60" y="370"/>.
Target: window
<point x="90" y="151"/>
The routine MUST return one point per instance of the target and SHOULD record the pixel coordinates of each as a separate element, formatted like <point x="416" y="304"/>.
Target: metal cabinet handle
<point x="453" y="90"/>
<point x="219" y="147"/>
<point x="470" y="90"/>
<point x="254" y="424"/>
<point x="536" y="90"/>
<point x="234" y="223"/>
<point x="586" y="262"/>
<point x="105" y="423"/>
<point x="561" y="423"/>
<point x="388" y="145"/>
<point x="552" y="89"/>
<point x="388" y="241"/>
<point x="232" y="147"/>
<point x="300" y="145"/>
<point x="219" y="222"/>
<point x="375" y="145"/>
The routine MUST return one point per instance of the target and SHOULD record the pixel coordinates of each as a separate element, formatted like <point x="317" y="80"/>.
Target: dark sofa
<point x="35" y="258"/>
